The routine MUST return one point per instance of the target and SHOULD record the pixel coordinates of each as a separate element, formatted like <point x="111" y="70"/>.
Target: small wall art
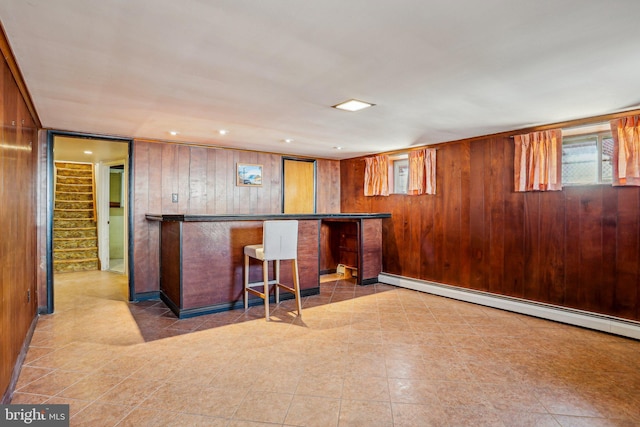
<point x="249" y="175"/>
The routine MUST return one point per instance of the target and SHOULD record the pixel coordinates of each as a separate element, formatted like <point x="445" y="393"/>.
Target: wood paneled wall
<point x="578" y="248"/>
<point x="18" y="300"/>
<point x="204" y="180"/>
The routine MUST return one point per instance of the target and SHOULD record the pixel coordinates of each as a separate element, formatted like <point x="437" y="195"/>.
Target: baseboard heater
<point x="585" y="319"/>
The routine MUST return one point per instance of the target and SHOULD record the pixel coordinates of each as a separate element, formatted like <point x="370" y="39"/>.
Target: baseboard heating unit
<point x="585" y="319"/>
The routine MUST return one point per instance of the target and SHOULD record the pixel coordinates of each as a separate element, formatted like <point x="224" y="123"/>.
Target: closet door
<point x="299" y="186"/>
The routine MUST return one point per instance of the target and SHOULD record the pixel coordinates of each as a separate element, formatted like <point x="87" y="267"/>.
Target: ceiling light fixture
<point x="337" y="148"/>
<point x="173" y="132"/>
<point x="88" y="152"/>
<point x="223" y="131"/>
<point x="288" y="140"/>
<point x="353" y="105"/>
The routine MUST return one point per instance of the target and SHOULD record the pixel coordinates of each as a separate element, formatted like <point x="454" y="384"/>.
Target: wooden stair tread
<point x="73" y="192"/>
<point x="73" y="210"/>
<point x="68" y="261"/>
<point x="78" y="228"/>
<point x="74" y="238"/>
<point x="92" y="248"/>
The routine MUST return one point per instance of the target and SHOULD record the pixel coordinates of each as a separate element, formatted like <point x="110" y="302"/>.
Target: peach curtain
<point x="626" y="150"/>
<point x="376" y="176"/>
<point x="422" y="171"/>
<point x="537" y="161"/>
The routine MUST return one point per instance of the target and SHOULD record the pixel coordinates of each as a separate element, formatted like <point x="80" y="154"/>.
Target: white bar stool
<point x="279" y="242"/>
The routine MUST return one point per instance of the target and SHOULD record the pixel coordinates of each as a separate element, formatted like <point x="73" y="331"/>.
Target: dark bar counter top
<point x="262" y="217"/>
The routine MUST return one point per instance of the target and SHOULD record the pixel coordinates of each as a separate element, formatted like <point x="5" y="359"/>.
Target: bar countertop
<point x="261" y="217"/>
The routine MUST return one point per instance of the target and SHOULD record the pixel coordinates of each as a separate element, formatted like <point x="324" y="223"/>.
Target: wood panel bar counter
<point x="201" y="256"/>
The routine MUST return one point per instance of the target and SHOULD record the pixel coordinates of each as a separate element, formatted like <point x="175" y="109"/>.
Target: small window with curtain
<point x="586" y="157"/>
<point x="399" y="173"/>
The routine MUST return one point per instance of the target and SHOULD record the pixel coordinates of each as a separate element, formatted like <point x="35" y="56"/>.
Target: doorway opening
<point x="89" y="214"/>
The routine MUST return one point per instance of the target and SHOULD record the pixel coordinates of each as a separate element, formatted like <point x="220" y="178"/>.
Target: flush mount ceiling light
<point x="353" y="105"/>
<point x="223" y="131"/>
<point x="173" y="132"/>
<point x="288" y="140"/>
<point x="88" y="152"/>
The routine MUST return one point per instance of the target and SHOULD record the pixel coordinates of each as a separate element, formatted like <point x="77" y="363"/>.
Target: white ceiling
<point x="269" y="70"/>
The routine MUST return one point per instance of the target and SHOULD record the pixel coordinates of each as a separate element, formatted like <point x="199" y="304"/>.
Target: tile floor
<point x="360" y="356"/>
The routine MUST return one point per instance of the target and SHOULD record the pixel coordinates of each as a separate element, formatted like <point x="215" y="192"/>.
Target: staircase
<point x="75" y="238"/>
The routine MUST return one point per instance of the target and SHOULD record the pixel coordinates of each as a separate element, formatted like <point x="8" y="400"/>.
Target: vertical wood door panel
<point x="299" y="186"/>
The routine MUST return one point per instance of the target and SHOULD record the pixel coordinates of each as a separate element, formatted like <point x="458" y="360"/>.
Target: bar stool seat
<point x="279" y="243"/>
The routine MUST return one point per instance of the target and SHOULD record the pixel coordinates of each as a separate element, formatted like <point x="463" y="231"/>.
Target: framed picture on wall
<point x="249" y="175"/>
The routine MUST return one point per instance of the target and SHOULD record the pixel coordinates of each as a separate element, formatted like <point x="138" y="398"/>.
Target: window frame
<point x="401" y="157"/>
<point x="576" y="139"/>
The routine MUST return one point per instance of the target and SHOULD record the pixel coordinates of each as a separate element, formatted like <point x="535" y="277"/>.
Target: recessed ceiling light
<point x="337" y="148"/>
<point x="223" y="131"/>
<point x="88" y="152"/>
<point x="288" y="140"/>
<point x="173" y="132"/>
<point x="353" y="105"/>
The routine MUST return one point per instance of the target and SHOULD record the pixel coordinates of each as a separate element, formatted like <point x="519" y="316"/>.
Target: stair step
<point x="90" y="248"/>
<point x="74" y="192"/>
<point x="74" y="166"/>
<point x="75" y="238"/>
<point x="79" y="228"/>
<point x="70" y="184"/>
<point x="69" y="261"/>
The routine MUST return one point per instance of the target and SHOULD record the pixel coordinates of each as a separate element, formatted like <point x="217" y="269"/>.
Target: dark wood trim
<point x="49" y="232"/>
<point x="265" y="217"/>
<point x="51" y="134"/>
<point x="227" y="306"/>
<point x="130" y="221"/>
<point x="8" y="55"/>
<point x="145" y="296"/>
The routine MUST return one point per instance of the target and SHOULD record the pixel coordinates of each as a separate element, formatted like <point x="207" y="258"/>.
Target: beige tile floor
<point x="360" y="356"/>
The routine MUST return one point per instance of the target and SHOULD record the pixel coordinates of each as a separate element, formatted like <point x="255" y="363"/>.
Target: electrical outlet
<point x="174" y="197"/>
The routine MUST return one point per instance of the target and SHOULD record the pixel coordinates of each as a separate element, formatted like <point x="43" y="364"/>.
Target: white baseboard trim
<point x="585" y="319"/>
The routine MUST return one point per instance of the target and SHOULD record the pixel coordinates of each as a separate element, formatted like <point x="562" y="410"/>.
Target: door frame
<point x="51" y="134"/>
<point x="315" y="179"/>
<point x="104" y="212"/>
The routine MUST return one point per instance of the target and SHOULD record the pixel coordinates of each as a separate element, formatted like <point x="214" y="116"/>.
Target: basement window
<point x="399" y="173"/>
<point x="586" y="158"/>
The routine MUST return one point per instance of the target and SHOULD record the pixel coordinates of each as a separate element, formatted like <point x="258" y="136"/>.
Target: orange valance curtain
<point x="537" y="161"/>
<point x="376" y="176"/>
<point x="626" y="150"/>
<point x="422" y="171"/>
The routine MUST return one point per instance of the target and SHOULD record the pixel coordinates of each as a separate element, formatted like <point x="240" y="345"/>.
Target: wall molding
<point x="585" y="319"/>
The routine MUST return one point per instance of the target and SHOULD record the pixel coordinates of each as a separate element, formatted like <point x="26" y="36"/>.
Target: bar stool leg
<point x="246" y="282"/>
<point x="277" y="262"/>
<point x="296" y="284"/>
<point x="265" y="278"/>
